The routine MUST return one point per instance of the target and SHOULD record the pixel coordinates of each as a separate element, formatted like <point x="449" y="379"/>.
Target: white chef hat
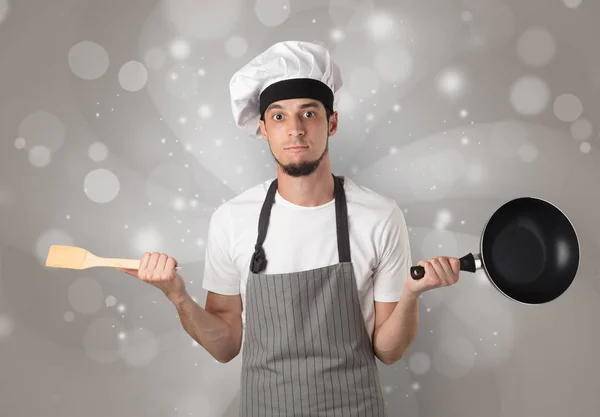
<point x="290" y="69"/>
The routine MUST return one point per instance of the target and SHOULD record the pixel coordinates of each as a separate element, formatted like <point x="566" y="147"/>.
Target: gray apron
<point x="306" y="348"/>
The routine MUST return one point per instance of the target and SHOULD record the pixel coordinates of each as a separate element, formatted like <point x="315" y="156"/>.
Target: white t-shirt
<point x="301" y="238"/>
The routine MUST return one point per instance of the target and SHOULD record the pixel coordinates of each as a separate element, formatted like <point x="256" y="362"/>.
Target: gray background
<point x="117" y="136"/>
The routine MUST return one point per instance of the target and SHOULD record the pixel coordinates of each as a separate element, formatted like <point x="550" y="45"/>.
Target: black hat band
<point x="296" y="88"/>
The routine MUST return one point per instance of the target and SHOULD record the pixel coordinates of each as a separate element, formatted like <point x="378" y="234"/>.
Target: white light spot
<point x="100" y="340"/>
<point x="39" y="156"/>
<point x="451" y="83"/>
<point x="4" y="9"/>
<point x="121" y="308"/>
<point x="236" y="46"/>
<point x="536" y="47"/>
<point x="20" y="143"/>
<point x="396" y="108"/>
<point x="337" y="35"/>
<point x="179" y="204"/>
<point x="133" y="76"/>
<point x="380" y="26"/>
<point x="582" y="129"/>
<point x="110" y="301"/>
<point x="272" y="12"/>
<point x="466" y="16"/>
<point x="148" y="240"/>
<point x="44" y="129"/>
<point x="101" y="185"/>
<point x="585" y="147"/>
<point x="567" y="107"/>
<point x="6" y="326"/>
<point x="88" y="60"/>
<point x="155" y="58"/>
<point x="573" y="4"/>
<point x="205" y="111"/>
<point x="179" y="49"/>
<point x="98" y="151"/>
<point x="419" y="363"/>
<point x="443" y="219"/>
<point x="529" y="95"/>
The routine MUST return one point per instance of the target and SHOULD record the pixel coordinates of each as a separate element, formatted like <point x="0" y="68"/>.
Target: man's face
<point x="298" y="134"/>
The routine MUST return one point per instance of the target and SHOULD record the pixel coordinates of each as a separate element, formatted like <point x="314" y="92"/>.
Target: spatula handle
<point x="123" y="263"/>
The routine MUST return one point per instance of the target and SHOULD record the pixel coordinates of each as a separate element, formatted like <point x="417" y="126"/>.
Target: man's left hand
<point x="440" y="271"/>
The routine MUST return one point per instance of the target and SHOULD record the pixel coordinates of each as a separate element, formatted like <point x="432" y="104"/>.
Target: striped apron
<point x="306" y="348"/>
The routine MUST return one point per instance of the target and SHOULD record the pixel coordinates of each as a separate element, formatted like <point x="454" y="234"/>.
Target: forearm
<point x="394" y="336"/>
<point x="210" y="331"/>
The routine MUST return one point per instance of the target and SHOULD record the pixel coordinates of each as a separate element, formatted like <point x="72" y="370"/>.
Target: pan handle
<point x="467" y="263"/>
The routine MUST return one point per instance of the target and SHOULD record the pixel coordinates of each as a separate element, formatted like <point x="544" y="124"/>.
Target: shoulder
<point x="364" y="199"/>
<point x="248" y="202"/>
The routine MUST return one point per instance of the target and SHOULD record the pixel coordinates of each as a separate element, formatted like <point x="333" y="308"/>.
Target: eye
<point x="310" y="114"/>
<point x="275" y="116"/>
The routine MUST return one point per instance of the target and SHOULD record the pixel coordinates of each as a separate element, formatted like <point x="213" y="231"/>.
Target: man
<point x="307" y="274"/>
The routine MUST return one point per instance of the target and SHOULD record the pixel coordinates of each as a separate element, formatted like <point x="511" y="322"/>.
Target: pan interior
<point x="530" y="250"/>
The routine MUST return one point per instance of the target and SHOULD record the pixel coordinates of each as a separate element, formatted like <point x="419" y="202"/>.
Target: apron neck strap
<point x="259" y="261"/>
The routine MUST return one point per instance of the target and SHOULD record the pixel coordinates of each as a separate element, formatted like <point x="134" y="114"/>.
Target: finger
<point x="144" y="263"/>
<point x="171" y="264"/>
<point x="449" y="277"/>
<point x="430" y="277"/>
<point x="152" y="263"/>
<point x="160" y="270"/>
<point x="441" y="281"/>
<point x="455" y="265"/>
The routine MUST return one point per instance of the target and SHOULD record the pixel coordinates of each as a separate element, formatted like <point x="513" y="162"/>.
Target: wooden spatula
<point x="73" y="257"/>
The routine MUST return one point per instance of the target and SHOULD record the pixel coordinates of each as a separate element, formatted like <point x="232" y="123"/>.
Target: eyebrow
<point x="309" y="105"/>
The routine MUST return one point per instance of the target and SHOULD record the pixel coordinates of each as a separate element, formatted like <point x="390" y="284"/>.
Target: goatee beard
<point x="303" y="168"/>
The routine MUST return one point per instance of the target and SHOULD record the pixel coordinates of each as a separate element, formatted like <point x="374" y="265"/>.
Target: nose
<point x="296" y="128"/>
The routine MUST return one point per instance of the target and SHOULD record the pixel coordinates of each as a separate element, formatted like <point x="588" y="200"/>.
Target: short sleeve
<point x="395" y="260"/>
<point x="220" y="273"/>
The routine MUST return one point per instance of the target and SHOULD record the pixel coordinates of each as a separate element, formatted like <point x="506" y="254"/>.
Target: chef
<point x="307" y="274"/>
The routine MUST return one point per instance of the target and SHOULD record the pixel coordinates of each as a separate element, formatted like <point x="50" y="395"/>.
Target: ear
<point x="263" y="129"/>
<point x="333" y="123"/>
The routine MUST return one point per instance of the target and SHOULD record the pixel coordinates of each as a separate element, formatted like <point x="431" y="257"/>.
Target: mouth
<point x="296" y="149"/>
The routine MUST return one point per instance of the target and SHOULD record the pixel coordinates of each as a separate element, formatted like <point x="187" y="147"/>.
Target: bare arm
<point x="217" y="327"/>
<point x="396" y="326"/>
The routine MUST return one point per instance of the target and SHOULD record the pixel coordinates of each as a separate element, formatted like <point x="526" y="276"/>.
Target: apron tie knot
<point x="259" y="260"/>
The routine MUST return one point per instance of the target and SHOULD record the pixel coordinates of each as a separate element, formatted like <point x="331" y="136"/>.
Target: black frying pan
<point x="529" y="251"/>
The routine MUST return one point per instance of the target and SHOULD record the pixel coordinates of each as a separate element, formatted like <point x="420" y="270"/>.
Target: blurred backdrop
<point x="117" y="136"/>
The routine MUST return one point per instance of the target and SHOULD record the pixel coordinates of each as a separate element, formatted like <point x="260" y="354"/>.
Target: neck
<point x="309" y="191"/>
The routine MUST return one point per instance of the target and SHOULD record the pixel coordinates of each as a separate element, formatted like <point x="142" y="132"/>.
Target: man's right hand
<point x="159" y="270"/>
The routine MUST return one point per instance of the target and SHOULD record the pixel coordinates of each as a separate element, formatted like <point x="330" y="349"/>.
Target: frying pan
<point x="529" y="250"/>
